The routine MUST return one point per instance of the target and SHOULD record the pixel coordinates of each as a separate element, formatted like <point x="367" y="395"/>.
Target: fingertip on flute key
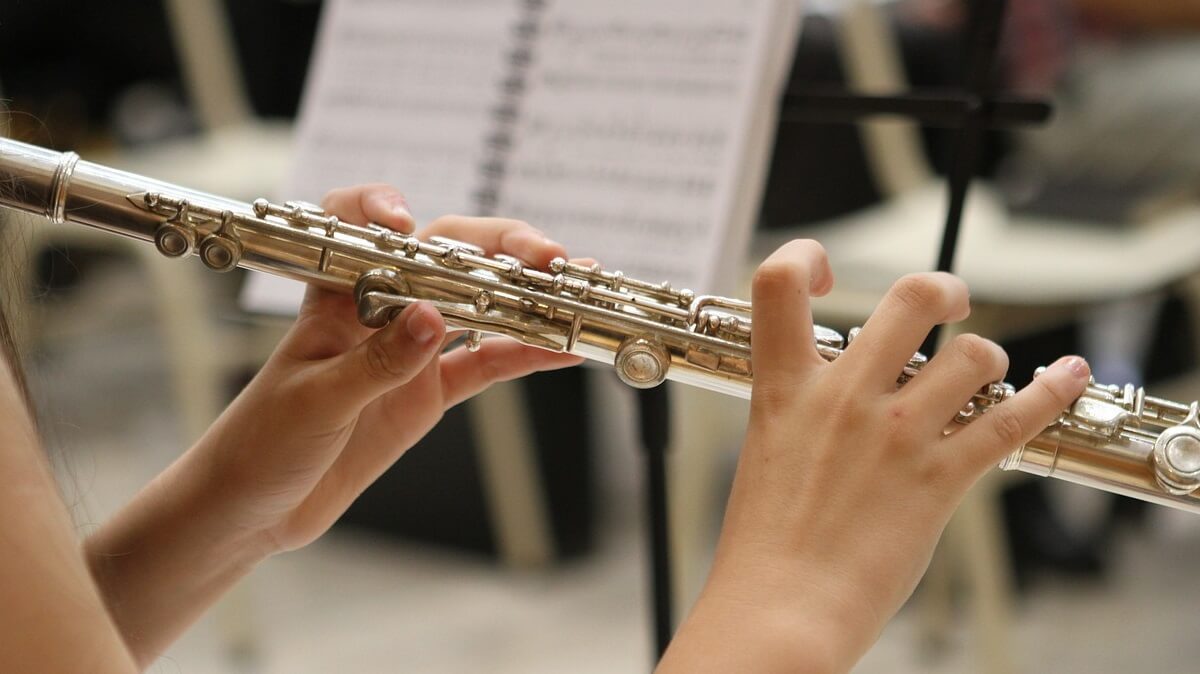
<point x="1075" y="366"/>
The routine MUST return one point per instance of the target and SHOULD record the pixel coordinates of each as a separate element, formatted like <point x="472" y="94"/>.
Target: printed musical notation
<point x="632" y="140"/>
<point x="402" y="92"/>
<point x="623" y="128"/>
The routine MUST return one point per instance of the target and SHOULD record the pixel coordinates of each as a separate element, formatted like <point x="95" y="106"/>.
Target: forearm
<point x="732" y="638"/>
<point x="53" y="618"/>
<point x="169" y="555"/>
<point x="766" y="618"/>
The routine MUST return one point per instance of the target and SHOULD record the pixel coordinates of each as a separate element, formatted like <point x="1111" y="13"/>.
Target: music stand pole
<point x="654" y="419"/>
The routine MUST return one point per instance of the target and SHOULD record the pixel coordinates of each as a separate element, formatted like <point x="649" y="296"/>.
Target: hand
<point x="845" y="482"/>
<point x="337" y="403"/>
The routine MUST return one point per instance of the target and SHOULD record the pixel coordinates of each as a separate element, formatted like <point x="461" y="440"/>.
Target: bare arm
<point x="168" y="555"/>
<point x="53" y="619"/>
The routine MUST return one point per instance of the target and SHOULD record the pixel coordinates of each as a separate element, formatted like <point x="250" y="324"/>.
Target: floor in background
<point x="351" y="604"/>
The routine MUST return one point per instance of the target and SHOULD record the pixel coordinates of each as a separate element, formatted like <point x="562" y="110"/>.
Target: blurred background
<point x="449" y="564"/>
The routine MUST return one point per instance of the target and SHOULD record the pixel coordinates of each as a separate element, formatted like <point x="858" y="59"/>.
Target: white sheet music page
<point x="632" y="142"/>
<point x="634" y="132"/>
<point x="401" y="92"/>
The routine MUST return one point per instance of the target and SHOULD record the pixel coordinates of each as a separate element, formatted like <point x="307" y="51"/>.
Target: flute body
<point x="1113" y="438"/>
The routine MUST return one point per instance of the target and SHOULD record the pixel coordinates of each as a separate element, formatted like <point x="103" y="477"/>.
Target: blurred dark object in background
<point x="77" y="74"/>
<point x="820" y="171"/>
<point x="66" y="66"/>
<point x="274" y="40"/>
<point x="435" y="491"/>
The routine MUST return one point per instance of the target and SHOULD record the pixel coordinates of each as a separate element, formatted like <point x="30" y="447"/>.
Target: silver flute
<point x="1114" y="438"/>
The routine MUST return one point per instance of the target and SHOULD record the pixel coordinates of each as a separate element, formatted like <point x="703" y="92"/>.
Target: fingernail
<point x="420" y="325"/>
<point x="399" y="205"/>
<point x="1077" y="366"/>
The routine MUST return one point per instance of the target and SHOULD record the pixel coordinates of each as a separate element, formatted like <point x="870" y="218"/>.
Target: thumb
<point x="389" y="358"/>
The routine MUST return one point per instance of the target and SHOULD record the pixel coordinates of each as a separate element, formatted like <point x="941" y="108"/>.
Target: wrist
<point x="726" y="632"/>
<point x="182" y="526"/>
<point x="209" y="504"/>
<point x="166" y="556"/>
<point x="818" y="619"/>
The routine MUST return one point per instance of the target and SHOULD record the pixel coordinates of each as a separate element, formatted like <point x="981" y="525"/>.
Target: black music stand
<point x="969" y="111"/>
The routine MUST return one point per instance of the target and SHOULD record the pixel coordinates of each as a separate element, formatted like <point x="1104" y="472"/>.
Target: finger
<point x="783" y="346"/>
<point x="374" y="202"/>
<point x="465" y="373"/>
<point x="944" y="386"/>
<point x="1019" y="419"/>
<point x="327" y="303"/>
<point x="326" y="326"/>
<point x="498" y="235"/>
<point x="365" y="459"/>
<point x="388" y="358"/>
<point x="900" y="323"/>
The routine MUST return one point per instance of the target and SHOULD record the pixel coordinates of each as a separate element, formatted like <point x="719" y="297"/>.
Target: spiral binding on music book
<point x="506" y="113"/>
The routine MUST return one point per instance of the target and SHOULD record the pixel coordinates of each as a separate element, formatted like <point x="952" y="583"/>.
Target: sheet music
<point x="402" y="91"/>
<point x="626" y="129"/>
<point x="629" y="142"/>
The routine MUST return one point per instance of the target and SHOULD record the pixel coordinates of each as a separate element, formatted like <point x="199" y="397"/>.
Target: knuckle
<point x="511" y="231"/>
<point x="935" y="472"/>
<point x="843" y="408"/>
<point x="790" y="268"/>
<point x="384" y="193"/>
<point x="381" y="364"/>
<point x="984" y="354"/>
<point x="1060" y="398"/>
<point x="920" y="293"/>
<point x="333" y="197"/>
<point x="512" y="223"/>
<point x="363" y="190"/>
<point x="775" y="278"/>
<point x="809" y="248"/>
<point x="1007" y="426"/>
<point x="445" y="221"/>
<point x="772" y="396"/>
<point x="900" y="416"/>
